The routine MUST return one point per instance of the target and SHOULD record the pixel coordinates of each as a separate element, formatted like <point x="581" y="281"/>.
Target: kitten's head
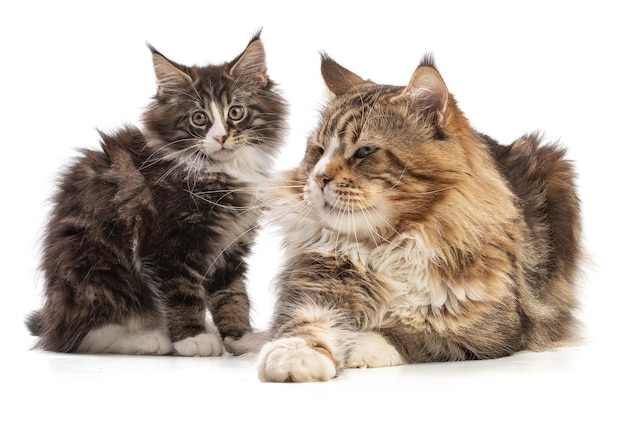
<point x="384" y="158"/>
<point x="217" y="114"/>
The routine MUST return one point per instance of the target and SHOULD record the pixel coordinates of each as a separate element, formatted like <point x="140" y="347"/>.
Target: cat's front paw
<point x="292" y="359"/>
<point x="372" y="350"/>
<point x="249" y="343"/>
<point x="202" y="345"/>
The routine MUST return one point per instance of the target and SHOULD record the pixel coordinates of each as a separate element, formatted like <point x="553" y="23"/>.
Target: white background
<point x="68" y="68"/>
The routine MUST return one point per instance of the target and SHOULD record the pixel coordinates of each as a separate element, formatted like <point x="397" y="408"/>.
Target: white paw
<point x="372" y="350"/>
<point x="154" y="343"/>
<point x="202" y="345"/>
<point x="249" y="343"/>
<point x="293" y="360"/>
<point x="117" y="339"/>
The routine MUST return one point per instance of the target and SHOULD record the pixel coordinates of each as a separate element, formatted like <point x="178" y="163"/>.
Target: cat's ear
<point x="169" y="76"/>
<point x="428" y="92"/>
<point x="339" y="80"/>
<point x="250" y="65"/>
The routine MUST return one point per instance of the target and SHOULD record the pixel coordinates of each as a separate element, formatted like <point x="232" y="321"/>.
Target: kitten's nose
<point x="220" y="139"/>
<point x="322" y="180"/>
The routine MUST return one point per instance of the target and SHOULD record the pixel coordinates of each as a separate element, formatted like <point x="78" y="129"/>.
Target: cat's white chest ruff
<point x="404" y="266"/>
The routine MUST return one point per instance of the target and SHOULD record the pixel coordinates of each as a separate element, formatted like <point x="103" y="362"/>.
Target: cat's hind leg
<point x="117" y="339"/>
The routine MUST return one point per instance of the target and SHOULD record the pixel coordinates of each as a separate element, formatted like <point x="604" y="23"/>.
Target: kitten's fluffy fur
<point x="410" y="237"/>
<point x="152" y="230"/>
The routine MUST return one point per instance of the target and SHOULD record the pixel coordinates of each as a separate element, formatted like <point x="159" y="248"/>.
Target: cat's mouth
<point x="353" y="220"/>
<point x="344" y="209"/>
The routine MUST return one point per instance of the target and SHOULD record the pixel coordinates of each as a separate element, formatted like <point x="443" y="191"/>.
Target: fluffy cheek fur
<point x="351" y="211"/>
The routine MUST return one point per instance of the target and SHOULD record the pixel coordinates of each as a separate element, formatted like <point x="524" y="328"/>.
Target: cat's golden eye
<point x="199" y="118"/>
<point x="236" y="113"/>
<point x="364" y="152"/>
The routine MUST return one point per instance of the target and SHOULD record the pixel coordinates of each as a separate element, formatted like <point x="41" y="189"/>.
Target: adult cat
<point x="410" y="237"/>
<point x="152" y="230"/>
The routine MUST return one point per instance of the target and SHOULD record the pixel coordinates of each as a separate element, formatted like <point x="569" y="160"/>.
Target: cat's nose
<point x="220" y="139"/>
<point x="322" y="180"/>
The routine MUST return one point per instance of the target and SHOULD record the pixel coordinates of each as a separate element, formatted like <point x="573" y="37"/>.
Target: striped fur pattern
<point x="151" y="231"/>
<point x="410" y="237"/>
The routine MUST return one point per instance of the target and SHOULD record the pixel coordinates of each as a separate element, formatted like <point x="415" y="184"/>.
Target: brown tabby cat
<point x="410" y="237"/>
<point x="151" y="231"/>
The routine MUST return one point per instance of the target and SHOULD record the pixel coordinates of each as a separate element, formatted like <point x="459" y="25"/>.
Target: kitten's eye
<point x="364" y="152"/>
<point x="236" y="113"/>
<point x="199" y="118"/>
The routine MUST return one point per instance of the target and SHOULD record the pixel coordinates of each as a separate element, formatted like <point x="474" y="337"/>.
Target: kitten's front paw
<point x="202" y="345"/>
<point x="249" y="343"/>
<point x="294" y="360"/>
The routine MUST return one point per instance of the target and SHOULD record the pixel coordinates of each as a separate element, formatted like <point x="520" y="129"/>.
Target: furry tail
<point x="35" y="323"/>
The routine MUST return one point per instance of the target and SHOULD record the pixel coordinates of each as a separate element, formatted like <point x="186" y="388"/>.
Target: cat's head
<point x="385" y="158"/>
<point x="207" y="116"/>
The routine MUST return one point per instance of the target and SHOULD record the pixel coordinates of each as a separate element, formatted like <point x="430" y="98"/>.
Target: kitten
<point x="152" y="230"/>
<point x="410" y="237"/>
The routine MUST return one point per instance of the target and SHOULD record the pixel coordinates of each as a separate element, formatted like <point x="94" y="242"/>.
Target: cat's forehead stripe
<point x="340" y="123"/>
<point x="333" y="145"/>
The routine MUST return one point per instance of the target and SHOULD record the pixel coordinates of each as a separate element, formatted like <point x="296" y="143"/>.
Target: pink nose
<point x="322" y="180"/>
<point x="220" y="139"/>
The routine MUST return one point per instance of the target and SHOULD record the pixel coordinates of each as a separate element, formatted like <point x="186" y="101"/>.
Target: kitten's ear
<point x="169" y="76"/>
<point x="427" y="91"/>
<point x="339" y="80"/>
<point x="250" y="65"/>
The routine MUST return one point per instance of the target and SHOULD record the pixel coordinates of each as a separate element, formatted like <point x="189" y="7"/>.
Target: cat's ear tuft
<point x="339" y="80"/>
<point x="169" y="76"/>
<point x="250" y="66"/>
<point x="428" y="92"/>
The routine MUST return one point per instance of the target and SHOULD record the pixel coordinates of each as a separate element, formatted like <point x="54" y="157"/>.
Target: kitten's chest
<point x="207" y="198"/>
<point x="214" y="213"/>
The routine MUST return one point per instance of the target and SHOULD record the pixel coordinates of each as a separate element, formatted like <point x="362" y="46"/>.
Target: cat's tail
<point x="35" y="323"/>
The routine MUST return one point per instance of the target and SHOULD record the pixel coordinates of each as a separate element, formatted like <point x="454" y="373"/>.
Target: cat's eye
<point x="236" y="113"/>
<point x="199" y="118"/>
<point x="364" y="152"/>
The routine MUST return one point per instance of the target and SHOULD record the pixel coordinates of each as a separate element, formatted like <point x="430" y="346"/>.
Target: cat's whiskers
<point x="336" y="228"/>
<point x="156" y="156"/>
<point x="181" y="159"/>
<point x="354" y="227"/>
<point x="376" y="237"/>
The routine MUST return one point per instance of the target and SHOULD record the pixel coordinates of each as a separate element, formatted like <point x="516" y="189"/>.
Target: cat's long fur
<point x="152" y="230"/>
<point x="410" y="237"/>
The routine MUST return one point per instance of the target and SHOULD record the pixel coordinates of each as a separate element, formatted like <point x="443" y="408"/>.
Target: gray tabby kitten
<point x="152" y="230"/>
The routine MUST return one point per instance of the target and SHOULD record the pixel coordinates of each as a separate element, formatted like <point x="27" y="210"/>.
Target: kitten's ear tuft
<point x="339" y="80"/>
<point x="250" y="65"/>
<point x="170" y="77"/>
<point x="428" y="91"/>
